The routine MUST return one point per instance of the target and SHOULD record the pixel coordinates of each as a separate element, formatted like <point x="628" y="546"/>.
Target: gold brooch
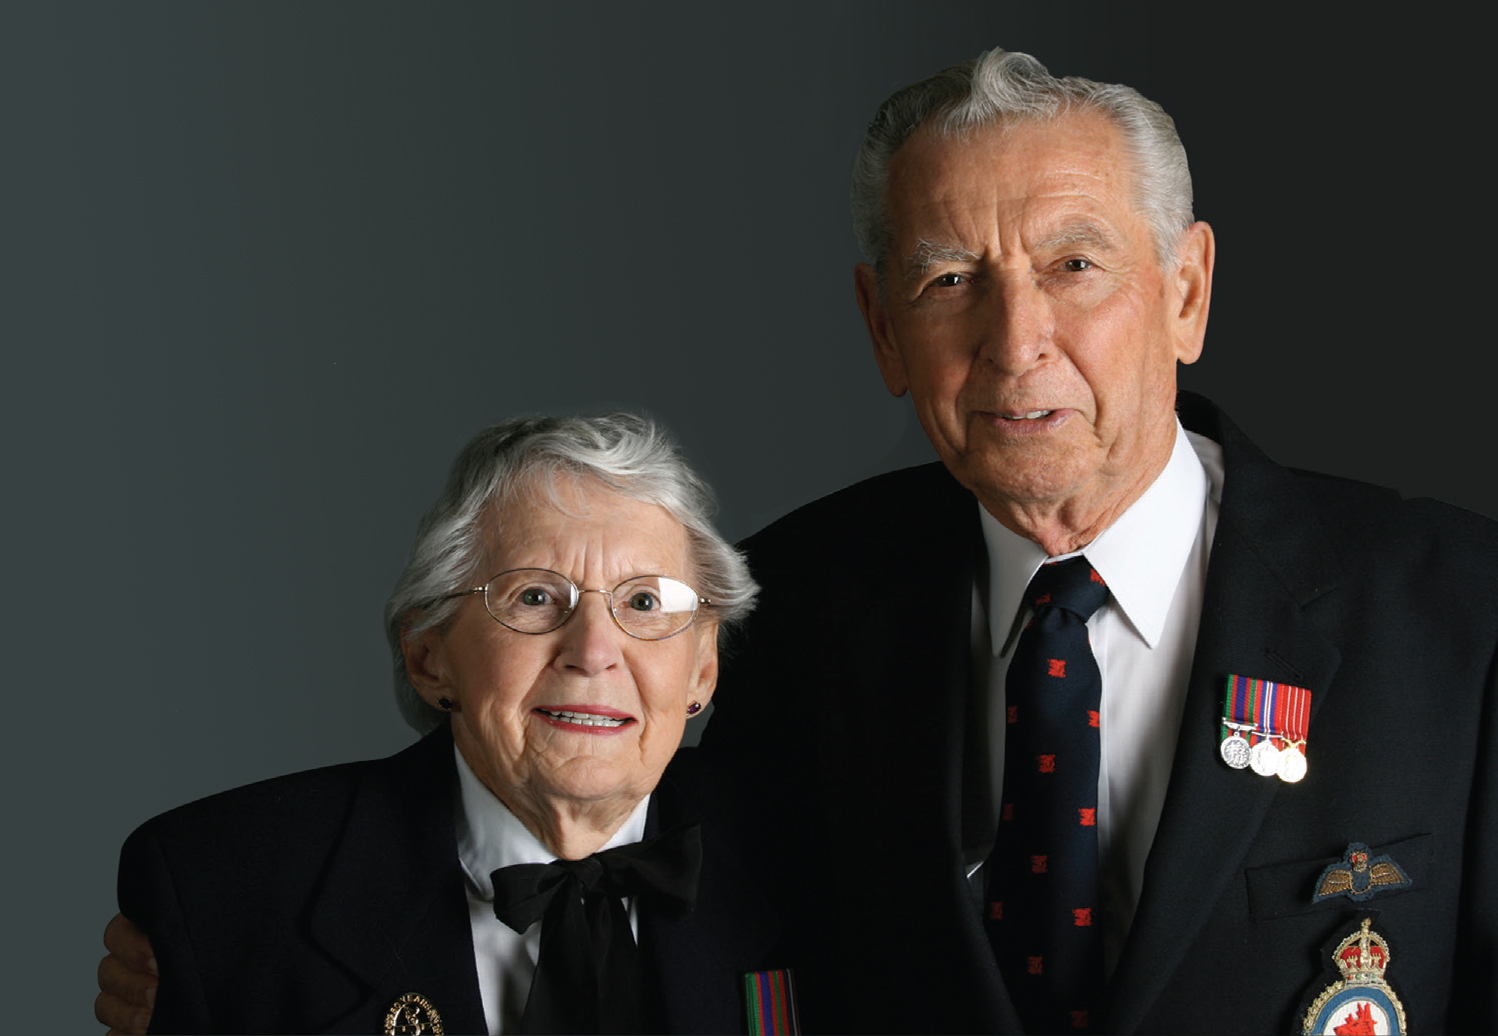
<point x="413" y="1014"/>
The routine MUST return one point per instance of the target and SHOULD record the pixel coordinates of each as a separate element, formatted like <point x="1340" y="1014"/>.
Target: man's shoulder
<point x="1357" y="520"/>
<point x="1373" y="524"/>
<point x="896" y="502"/>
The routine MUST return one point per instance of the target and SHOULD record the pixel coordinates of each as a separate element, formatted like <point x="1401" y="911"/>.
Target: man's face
<point x="1026" y="313"/>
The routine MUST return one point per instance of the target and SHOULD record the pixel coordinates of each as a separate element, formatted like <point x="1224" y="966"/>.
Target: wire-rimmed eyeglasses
<point x="538" y="600"/>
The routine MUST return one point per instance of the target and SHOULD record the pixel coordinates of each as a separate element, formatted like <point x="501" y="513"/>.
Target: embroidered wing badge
<point x="1360" y="876"/>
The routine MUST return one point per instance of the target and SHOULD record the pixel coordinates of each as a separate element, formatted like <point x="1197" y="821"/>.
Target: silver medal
<point x="1264" y="758"/>
<point x="1235" y="751"/>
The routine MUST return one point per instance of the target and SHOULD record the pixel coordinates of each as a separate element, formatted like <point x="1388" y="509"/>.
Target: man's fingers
<point x="128" y="943"/>
<point x="123" y="1018"/>
<point x="136" y="988"/>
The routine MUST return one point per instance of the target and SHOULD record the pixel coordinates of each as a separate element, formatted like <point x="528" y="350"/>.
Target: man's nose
<point x="1018" y="324"/>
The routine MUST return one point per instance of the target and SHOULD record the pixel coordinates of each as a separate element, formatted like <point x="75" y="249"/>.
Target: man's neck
<point x="1064" y="526"/>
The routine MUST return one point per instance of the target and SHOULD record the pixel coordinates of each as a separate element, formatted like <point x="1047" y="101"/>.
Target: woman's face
<point x="511" y="688"/>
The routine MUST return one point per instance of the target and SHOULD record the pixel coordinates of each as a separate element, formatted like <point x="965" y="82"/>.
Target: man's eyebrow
<point x="928" y="254"/>
<point x="1081" y="232"/>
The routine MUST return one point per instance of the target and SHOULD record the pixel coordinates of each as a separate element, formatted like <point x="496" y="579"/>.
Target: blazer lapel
<point x="394" y="910"/>
<point x="1268" y="561"/>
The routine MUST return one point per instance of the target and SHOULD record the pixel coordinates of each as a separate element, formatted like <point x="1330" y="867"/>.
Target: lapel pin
<point x="411" y="1015"/>
<point x="1360" y="876"/>
<point x="1264" y="727"/>
<point x="1360" y="1001"/>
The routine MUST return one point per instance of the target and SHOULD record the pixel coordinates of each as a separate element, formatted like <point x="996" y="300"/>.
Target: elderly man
<point x="969" y="856"/>
<point x="1106" y="722"/>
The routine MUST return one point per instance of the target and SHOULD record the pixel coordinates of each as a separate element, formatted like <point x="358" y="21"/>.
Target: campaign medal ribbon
<point x="1264" y="727"/>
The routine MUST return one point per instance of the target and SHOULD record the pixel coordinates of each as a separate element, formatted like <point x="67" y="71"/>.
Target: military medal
<point x="1360" y="1001"/>
<point x="1234" y="747"/>
<point x="1292" y="765"/>
<point x="1264" y="758"/>
<point x="1264" y="727"/>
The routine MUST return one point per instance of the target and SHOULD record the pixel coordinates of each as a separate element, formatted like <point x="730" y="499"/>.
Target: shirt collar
<point x="490" y="836"/>
<point x="1140" y="556"/>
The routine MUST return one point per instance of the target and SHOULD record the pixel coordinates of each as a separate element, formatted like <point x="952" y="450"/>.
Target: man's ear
<point x="425" y="653"/>
<point x="1193" y="287"/>
<point x="881" y="333"/>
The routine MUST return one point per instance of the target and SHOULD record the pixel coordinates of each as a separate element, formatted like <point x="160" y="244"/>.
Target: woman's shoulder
<point x="309" y="806"/>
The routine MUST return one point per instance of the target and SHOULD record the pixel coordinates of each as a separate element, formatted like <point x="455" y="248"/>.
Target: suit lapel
<point x="394" y="910"/>
<point x="1268" y="561"/>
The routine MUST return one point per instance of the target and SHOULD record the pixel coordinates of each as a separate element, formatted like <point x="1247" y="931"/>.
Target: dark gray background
<point x="266" y="267"/>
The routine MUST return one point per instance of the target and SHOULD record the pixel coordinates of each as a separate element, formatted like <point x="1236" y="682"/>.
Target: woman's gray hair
<point x="1002" y="86"/>
<point x="624" y="452"/>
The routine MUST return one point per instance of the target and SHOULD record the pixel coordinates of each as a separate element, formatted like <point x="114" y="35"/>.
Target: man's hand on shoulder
<point x="127" y="979"/>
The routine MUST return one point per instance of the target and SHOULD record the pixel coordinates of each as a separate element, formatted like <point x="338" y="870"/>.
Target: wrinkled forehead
<point x="556" y="518"/>
<point x="1078" y="155"/>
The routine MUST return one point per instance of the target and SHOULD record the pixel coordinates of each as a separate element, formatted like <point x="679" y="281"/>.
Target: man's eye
<point x="1077" y="265"/>
<point x="948" y="280"/>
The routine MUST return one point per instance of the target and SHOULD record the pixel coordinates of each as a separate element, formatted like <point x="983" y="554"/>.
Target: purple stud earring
<point x="694" y="708"/>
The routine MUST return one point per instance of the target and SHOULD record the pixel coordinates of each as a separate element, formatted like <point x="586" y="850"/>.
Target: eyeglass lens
<point x="536" y="600"/>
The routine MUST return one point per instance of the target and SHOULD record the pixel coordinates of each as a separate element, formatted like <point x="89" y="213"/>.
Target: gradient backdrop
<point x="267" y="266"/>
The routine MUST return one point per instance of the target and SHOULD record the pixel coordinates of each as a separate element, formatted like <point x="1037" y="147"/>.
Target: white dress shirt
<point x="1154" y="560"/>
<point x="490" y="837"/>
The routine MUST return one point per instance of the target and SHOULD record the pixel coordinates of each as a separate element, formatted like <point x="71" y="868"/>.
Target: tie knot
<point x="1072" y="584"/>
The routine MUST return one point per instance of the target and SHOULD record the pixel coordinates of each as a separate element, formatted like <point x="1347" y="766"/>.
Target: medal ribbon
<point x="1275" y="710"/>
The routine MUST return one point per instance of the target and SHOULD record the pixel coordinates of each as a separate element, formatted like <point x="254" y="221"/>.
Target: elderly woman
<point x="537" y="862"/>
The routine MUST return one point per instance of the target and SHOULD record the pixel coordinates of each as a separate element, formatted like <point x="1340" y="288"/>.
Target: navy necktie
<point x="589" y="975"/>
<point x="1043" y="918"/>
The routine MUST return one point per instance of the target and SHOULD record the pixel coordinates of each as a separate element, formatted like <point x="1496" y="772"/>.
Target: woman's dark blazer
<point x="312" y="902"/>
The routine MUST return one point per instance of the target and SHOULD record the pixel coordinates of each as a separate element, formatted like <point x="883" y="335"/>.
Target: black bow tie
<point x="588" y="976"/>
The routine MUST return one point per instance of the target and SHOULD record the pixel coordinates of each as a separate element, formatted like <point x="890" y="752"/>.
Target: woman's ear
<point x="705" y="679"/>
<point x="425" y="653"/>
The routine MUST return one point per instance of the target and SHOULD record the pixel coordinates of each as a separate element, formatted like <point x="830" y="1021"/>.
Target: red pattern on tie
<point x="1089" y="817"/>
<point x="1046" y="764"/>
<point x="1082" y="917"/>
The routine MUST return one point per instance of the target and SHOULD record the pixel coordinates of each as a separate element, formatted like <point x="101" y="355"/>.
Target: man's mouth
<point x="584" y="719"/>
<point x="1029" y="415"/>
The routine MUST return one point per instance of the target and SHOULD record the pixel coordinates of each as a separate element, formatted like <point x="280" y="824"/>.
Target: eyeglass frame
<point x="578" y="592"/>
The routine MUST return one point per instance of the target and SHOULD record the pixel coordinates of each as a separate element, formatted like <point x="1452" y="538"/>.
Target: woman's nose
<point x="591" y="639"/>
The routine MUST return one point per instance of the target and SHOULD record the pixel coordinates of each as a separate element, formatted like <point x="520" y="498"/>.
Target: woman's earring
<point x="694" y="708"/>
<point x="445" y="704"/>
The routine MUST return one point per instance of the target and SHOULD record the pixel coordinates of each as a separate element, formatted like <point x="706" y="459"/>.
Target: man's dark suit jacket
<point x="856" y="681"/>
<point x="310" y="903"/>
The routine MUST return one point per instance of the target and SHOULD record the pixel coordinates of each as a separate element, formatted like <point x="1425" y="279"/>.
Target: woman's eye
<point x="535" y="597"/>
<point x="643" y="602"/>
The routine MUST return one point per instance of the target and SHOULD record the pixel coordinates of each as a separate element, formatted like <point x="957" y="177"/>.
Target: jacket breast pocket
<point x="1288" y="889"/>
